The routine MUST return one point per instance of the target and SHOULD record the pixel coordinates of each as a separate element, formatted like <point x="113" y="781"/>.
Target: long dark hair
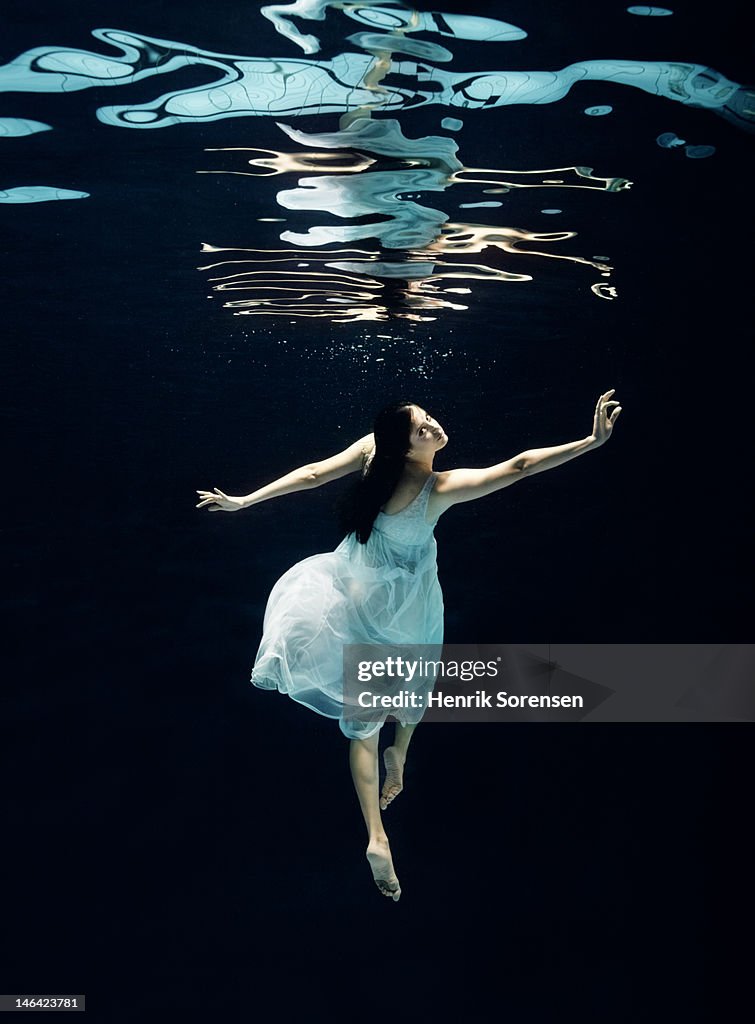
<point x="392" y="430"/>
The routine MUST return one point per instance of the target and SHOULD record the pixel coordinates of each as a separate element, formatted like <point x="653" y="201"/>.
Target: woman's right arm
<point x="467" y="484"/>
<point x="314" y="474"/>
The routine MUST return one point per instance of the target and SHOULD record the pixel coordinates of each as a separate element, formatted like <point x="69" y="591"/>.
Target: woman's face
<point x="427" y="434"/>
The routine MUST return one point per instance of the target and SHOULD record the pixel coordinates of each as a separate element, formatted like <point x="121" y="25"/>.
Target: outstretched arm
<point x="314" y="474"/>
<point x="467" y="484"/>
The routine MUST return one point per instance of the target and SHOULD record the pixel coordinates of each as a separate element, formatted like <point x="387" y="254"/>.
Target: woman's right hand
<point x="219" y="502"/>
<point x="603" y="421"/>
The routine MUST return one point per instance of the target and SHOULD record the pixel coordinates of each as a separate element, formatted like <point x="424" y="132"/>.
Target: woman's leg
<point x="402" y="737"/>
<point x="363" y="759"/>
<point x="394" y="758"/>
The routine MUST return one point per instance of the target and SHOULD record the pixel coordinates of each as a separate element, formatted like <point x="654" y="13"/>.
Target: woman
<point x="380" y="585"/>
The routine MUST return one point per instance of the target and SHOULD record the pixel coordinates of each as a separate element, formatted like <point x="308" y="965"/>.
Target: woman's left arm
<point x="314" y="474"/>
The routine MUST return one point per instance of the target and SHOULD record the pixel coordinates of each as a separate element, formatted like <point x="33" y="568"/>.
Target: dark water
<point x="174" y="838"/>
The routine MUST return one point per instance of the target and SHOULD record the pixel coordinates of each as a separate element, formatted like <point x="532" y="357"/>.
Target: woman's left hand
<point x="219" y="502"/>
<point x="603" y="422"/>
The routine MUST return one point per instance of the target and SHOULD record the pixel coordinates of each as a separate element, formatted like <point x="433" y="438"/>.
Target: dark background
<point x="175" y="838"/>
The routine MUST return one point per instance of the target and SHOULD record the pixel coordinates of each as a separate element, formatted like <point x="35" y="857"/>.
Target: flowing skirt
<point x="374" y="593"/>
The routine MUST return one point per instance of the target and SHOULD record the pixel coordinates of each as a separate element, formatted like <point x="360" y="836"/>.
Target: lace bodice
<point x="408" y="525"/>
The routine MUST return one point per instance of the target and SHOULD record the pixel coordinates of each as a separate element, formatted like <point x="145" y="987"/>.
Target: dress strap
<point x="424" y="495"/>
<point x="426" y="500"/>
<point x="418" y="505"/>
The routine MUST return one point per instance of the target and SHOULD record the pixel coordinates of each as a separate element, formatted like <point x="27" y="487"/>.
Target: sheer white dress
<point x="383" y="592"/>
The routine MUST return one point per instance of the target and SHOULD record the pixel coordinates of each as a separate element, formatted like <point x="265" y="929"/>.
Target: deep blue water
<point x="207" y="832"/>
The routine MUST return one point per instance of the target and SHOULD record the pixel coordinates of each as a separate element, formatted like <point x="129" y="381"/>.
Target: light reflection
<point x="351" y="84"/>
<point x="375" y="185"/>
<point x="419" y="247"/>
<point x="376" y="195"/>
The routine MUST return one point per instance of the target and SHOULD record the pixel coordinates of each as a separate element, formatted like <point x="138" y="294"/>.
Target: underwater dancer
<point x="380" y="585"/>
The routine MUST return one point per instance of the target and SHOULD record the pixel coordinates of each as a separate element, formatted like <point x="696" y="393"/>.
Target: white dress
<point x="383" y="592"/>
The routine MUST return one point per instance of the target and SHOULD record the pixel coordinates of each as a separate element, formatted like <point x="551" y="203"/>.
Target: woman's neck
<point x="421" y="462"/>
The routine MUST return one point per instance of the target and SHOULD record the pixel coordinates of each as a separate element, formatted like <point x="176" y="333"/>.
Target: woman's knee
<point x="368" y="743"/>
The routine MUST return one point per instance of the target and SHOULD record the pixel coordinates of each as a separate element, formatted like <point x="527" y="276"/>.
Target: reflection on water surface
<point x="371" y="182"/>
<point x="419" y="246"/>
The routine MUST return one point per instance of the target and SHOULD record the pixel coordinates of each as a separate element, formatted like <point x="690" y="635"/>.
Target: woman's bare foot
<point x="381" y="863"/>
<point x="393" y="760"/>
